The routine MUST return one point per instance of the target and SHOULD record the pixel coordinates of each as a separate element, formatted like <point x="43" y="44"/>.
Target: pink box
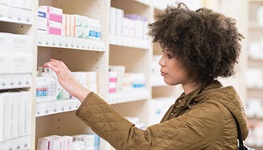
<point x="56" y="31"/>
<point x="112" y="90"/>
<point x="55" y="17"/>
<point x="112" y="79"/>
<point x="50" y="13"/>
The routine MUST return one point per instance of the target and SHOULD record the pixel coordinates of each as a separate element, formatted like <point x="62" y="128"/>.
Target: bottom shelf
<point x="54" y="107"/>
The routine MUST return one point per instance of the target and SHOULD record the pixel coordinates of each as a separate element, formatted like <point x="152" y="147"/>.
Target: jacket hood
<point x="230" y="99"/>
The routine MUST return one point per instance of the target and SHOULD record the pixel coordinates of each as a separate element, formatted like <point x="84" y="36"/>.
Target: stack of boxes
<point x="77" y="142"/>
<point x="49" y="20"/>
<point x="128" y="25"/>
<point x="87" y="79"/>
<point x="16" y="55"/>
<point x="16" y="63"/>
<point x="80" y="27"/>
<point x="75" y="26"/>
<point x="15" y="112"/>
<point x="87" y="141"/>
<point x="16" y="60"/>
<point x="119" y="81"/>
<point x="140" y="25"/>
<point x="116" y="78"/>
<point x="16" y="10"/>
<point x="55" y="142"/>
<point x="113" y="81"/>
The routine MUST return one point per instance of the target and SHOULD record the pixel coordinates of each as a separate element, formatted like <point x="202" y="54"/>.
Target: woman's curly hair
<point x="205" y="42"/>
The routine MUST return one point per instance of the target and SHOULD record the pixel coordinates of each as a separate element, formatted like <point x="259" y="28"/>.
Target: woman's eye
<point x="169" y="56"/>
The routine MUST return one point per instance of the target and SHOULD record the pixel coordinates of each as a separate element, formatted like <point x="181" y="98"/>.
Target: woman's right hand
<point x="67" y="80"/>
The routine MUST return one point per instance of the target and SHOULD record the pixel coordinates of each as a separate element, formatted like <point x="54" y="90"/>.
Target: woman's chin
<point x="169" y="82"/>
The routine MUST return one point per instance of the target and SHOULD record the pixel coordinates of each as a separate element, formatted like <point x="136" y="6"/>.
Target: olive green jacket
<point x="202" y="119"/>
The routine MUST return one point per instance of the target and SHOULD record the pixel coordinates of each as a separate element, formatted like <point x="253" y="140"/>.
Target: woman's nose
<point x="162" y="62"/>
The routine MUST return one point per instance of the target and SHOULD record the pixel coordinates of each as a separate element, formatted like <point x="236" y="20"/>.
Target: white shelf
<point x="129" y="42"/>
<point x="15" y="15"/>
<point x="254" y="61"/>
<point x="122" y="97"/>
<point x="60" y="106"/>
<point x="54" y="107"/>
<point x="48" y="40"/>
<point x="13" y="81"/>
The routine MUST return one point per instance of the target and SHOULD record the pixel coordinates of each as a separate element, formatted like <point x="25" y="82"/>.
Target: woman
<point x="198" y="46"/>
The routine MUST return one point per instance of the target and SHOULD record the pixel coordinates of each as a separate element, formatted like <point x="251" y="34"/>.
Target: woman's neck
<point x="189" y="87"/>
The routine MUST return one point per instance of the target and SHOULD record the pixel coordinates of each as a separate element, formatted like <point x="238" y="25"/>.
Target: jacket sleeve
<point x="186" y="132"/>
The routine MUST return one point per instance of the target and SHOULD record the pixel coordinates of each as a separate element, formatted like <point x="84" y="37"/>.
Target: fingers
<point x="53" y="67"/>
<point x="45" y="65"/>
<point x="50" y="62"/>
<point x="56" y="63"/>
<point x="58" y="67"/>
<point x="62" y="64"/>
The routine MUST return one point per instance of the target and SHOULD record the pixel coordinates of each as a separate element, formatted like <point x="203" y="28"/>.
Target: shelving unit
<point x="58" y="117"/>
<point x="134" y="54"/>
<point x="18" y="48"/>
<point x="255" y="62"/>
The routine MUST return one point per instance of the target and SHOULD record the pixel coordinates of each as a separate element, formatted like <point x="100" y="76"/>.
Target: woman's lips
<point x="163" y="74"/>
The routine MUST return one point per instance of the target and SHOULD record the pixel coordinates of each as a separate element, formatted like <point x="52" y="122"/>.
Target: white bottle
<point x="45" y="89"/>
<point x="46" y="72"/>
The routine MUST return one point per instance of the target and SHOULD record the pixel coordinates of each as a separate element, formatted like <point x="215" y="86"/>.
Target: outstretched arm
<point x="67" y="80"/>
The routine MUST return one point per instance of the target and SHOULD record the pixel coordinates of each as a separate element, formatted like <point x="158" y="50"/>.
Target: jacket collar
<point x="189" y="100"/>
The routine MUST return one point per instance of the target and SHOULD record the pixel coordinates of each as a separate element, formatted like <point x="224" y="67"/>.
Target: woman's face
<point x="172" y="70"/>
